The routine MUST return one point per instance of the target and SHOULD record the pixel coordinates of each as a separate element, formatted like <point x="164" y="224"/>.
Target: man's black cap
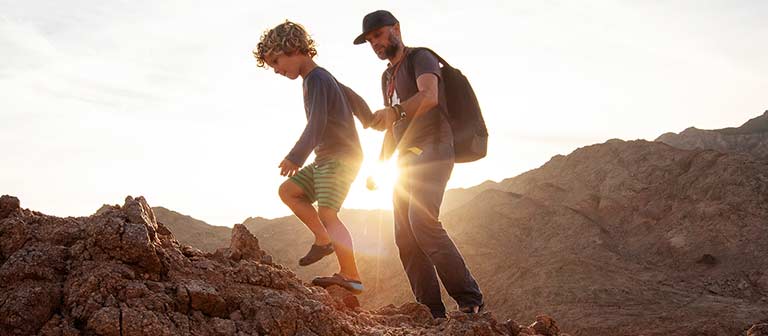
<point x="373" y="21"/>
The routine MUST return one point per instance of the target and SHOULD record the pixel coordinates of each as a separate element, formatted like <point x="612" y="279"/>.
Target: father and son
<point x="416" y="125"/>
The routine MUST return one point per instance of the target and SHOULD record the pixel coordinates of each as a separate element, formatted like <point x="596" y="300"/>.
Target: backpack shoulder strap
<point x="439" y="59"/>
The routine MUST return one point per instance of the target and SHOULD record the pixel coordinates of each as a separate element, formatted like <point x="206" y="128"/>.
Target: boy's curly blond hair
<point x="286" y="38"/>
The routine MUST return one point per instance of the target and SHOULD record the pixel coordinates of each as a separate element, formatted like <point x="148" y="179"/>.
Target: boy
<point x="331" y="133"/>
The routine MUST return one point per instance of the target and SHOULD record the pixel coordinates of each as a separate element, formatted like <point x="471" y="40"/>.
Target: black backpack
<point x="470" y="136"/>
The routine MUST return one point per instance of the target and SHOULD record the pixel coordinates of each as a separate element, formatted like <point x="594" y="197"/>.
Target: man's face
<point x="284" y="64"/>
<point x="384" y="41"/>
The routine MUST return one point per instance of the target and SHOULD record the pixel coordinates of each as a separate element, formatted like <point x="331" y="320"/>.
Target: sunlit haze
<point x="103" y="99"/>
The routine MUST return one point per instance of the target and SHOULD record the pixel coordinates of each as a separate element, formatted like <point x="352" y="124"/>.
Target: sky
<point x="104" y="99"/>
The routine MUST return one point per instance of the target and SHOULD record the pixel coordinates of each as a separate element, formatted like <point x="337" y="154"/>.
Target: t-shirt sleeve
<point x="425" y="62"/>
<point x="318" y="89"/>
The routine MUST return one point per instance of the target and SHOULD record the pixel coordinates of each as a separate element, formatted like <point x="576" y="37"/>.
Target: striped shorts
<point x="327" y="183"/>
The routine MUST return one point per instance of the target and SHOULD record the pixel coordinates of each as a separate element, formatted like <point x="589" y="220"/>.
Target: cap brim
<point x="360" y="39"/>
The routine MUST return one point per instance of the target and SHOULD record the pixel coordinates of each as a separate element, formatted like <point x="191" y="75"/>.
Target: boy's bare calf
<point x="293" y="196"/>
<point x="325" y="224"/>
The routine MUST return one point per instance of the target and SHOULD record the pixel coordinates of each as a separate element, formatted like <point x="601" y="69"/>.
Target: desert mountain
<point x="616" y="238"/>
<point x="627" y="235"/>
<point x="120" y="272"/>
<point x="751" y="137"/>
<point x="194" y="232"/>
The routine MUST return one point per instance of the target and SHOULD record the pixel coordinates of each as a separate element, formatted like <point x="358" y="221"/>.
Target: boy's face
<point x="287" y="65"/>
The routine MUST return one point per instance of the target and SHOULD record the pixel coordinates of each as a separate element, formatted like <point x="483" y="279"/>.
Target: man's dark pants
<point x="426" y="250"/>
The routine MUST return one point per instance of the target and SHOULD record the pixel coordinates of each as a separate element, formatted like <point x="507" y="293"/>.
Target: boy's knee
<point x="327" y="215"/>
<point x="288" y="191"/>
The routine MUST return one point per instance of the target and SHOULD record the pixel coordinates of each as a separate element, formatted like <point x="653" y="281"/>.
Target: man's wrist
<point x="399" y="111"/>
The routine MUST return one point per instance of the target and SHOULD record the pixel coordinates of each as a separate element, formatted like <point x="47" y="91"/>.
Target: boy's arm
<point x="317" y="95"/>
<point x="359" y="107"/>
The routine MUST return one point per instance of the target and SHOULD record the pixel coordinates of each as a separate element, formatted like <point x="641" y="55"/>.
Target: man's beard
<point x="394" y="46"/>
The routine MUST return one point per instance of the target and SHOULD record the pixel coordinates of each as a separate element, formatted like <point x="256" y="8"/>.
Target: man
<point x="416" y="126"/>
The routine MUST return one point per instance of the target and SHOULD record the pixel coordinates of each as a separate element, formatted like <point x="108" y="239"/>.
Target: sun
<point x="374" y="186"/>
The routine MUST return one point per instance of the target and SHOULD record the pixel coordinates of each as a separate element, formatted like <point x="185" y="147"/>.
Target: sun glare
<point x="374" y="185"/>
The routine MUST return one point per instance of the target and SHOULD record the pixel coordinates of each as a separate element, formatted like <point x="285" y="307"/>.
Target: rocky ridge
<point x="751" y="138"/>
<point x="120" y="272"/>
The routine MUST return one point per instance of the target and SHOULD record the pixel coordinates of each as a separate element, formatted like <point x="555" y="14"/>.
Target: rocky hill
<point x="627" y="235"/>
<point x="120" y="272"/>
<point x="632" y="238"/>
<point x="751" y="137"/>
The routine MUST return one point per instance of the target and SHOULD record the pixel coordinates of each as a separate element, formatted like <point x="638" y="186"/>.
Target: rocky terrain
<point x="630" y="238"/>
<point x="625" y="236"/>
<point x="751" y="138"/>
<point x="120" y="272"/>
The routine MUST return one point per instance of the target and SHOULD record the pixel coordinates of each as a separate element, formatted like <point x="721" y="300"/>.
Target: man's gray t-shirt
<point x="431" y="127"/>
<point x="330" y="129"/>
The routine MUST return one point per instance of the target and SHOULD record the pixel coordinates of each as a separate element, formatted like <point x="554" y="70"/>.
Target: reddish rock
<point x="205" y="298"/>
<point x="27" y="306"/>
<point x="760" y="329"/>
<point x="343" y="297"/>
<point x="119" y="272"/>
<point x="9" y="205"/>
<point x="544" y="325"/>
<point x="106" y="321"/>
<point x="244" y="245"/>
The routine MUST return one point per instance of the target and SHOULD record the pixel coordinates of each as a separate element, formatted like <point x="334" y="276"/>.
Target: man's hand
<point x="288" y="168"/>
<point x="383" y="119"/>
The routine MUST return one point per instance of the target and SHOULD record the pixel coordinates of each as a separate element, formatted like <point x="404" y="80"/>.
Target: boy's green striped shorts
<point x="327" y="183"/>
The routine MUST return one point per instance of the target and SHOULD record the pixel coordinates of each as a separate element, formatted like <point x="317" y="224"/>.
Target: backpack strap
<point x="439" y="59"/>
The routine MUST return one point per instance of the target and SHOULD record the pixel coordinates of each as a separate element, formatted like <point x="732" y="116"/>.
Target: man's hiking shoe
<point x="472" y="309"/>
<point x="316" y="253"/>
<point x="354" y="286"/>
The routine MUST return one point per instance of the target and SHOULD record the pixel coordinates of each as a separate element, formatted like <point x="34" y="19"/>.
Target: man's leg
<point x="417" y="266"/>
<point x="342" y="242"/>
<point x="432" y="170"/>
<point x="294" y="197"/>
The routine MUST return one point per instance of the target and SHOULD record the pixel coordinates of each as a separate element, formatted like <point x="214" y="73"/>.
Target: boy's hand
<point x="383" y="118"/>
<point x="288" y="168"/>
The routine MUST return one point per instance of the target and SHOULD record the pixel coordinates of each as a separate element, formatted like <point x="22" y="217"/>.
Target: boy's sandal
<point x="354" y="286"/>
<point x="316" y="253"/>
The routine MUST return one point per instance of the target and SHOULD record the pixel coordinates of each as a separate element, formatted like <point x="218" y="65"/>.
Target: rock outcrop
<point x="120" y="272"/>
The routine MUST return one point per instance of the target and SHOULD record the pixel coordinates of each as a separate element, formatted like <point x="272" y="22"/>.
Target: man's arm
<point x="427" y="70"/>
<point x="425" y="99"/>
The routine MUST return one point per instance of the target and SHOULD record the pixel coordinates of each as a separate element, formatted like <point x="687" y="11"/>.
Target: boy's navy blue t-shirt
<point x="330" y="130"/>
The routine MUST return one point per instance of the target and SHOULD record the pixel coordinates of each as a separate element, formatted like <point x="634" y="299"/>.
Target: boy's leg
<point x="295" y="198"/>
<point x="342" y="242"/>
<point x="332" y="182"/>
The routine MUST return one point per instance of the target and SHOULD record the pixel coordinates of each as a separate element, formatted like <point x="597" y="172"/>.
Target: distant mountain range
<point x="750" y="138"/>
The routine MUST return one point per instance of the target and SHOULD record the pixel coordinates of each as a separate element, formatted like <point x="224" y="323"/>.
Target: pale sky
<point x="103" y="99"/>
